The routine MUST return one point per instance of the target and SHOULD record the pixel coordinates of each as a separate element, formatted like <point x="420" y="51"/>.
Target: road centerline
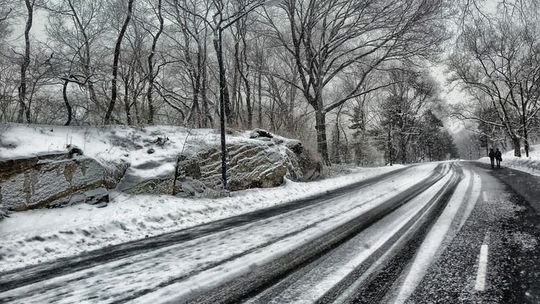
<point x="484" y="196"/>
<point x="482" y="265"/>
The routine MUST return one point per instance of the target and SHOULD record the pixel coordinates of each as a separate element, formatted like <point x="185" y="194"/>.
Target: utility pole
<point x="218" y="45"/>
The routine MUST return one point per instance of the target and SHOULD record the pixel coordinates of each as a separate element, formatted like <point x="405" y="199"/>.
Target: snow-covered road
<point x="188" y="269"/>
<point x="375" y="241"/>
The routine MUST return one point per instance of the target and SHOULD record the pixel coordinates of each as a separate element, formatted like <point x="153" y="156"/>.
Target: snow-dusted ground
<point x="215" y="258"/>
<point x="529" y="164"/>
<point x="36" y="236"/>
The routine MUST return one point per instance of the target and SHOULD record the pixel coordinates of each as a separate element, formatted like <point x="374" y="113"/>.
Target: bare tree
<point x="73" y="28"/>
<point x="193" y="54"/>
<point x="328" y="38"/>
<point x="151" y="72"/>
<point x="498" y="62"/>
<point x="25" y="62"/>
<point x="7" y="11"/>
<point x="117" y="51"/>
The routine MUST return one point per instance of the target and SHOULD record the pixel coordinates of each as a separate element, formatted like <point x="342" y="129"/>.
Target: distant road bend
<point x="375" y="241"/>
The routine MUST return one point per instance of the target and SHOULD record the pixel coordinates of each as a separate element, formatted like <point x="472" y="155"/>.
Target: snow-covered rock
<point x="184" y="162"/>
<point x="48" y="180"/>
<point x="250" y="165"/>
<point x="303" y="165"/>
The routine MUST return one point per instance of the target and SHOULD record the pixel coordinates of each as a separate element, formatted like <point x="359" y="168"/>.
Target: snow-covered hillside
<point x="529" y="164"/>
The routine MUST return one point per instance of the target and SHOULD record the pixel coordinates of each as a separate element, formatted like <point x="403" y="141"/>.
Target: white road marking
<point x="484" y="196"/>
<point x="482" y="265"/>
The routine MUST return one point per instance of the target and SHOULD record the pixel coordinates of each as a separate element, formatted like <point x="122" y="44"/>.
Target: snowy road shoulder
<point x="529" y="164"/>
<point x="38" y="236"/>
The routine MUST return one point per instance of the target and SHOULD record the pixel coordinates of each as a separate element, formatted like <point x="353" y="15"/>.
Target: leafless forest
<point x="350" y="77"/>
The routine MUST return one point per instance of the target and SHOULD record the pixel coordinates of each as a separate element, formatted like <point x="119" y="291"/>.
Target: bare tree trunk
<point x="87" y="56"/>
<point x="322" y="143"/>
<point x="151" y="75"/>
<point x="244" y="74"/>
<point x="207" y="120"/>
<point x="248" y="100"/>
<point x="127" y="102"/>
<point x="525" y="135"/>
<point x="231" y="110"/>
<point x="346" y="148"/>
<point x="116" y="58"/>
<point x="26" y="61"/>
<point x="524" y="123"/>
<point x="403" y="144"/>
<point x="66" y="102"/>
<point x="272" y="119"/>
<point x="137" y="112"/>
<point x="517" y="146"/>
<point x="292" y="101"/>
<point x="389" y="143"/>
<point x="194" y="111"/>
<point x="248" y="103"/>
<point x="218" y="44"/>
<point x="336" y="157"/>
<point x="259" y="97"/>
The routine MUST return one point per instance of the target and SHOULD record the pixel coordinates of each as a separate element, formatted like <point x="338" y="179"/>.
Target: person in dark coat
<point x="492" y="157"/>
<point x="498" y="157"/>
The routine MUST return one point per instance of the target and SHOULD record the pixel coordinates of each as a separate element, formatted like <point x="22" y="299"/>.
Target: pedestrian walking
<point x="492" y="158"/>
<point x="498" y="157"/>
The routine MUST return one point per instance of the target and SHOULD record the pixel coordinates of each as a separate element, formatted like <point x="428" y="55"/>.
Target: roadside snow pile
<point x="529" y="164"/>
<point x="41" y="235"/>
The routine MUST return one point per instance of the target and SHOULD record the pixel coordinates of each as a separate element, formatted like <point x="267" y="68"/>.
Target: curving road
<point x="433" y="233"/>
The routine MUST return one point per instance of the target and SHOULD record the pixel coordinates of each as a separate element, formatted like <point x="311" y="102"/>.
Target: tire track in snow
<point x="441" y="232"/>
<point x="36" y="273"/>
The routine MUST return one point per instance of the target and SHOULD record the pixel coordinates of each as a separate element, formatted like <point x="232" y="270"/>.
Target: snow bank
<point x="37" y="236"/>
<point x="529" y="164"/>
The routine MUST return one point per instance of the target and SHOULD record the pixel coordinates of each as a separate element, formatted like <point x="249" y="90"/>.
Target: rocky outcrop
<point x="250" y="165"/>
<point x="255" y="164"/>
<point x="51" y="180"/>
<point x="57" y="179"/>
<point x="303" y="166"/>
<point x="262" y="162"/>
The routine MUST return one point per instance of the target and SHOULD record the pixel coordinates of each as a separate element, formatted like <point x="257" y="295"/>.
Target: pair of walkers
<point x="495" y="156"/>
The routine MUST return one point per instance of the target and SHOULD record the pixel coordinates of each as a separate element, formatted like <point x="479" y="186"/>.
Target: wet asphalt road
<point x="510" y="225"/>
<point x="506" y="220"/>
